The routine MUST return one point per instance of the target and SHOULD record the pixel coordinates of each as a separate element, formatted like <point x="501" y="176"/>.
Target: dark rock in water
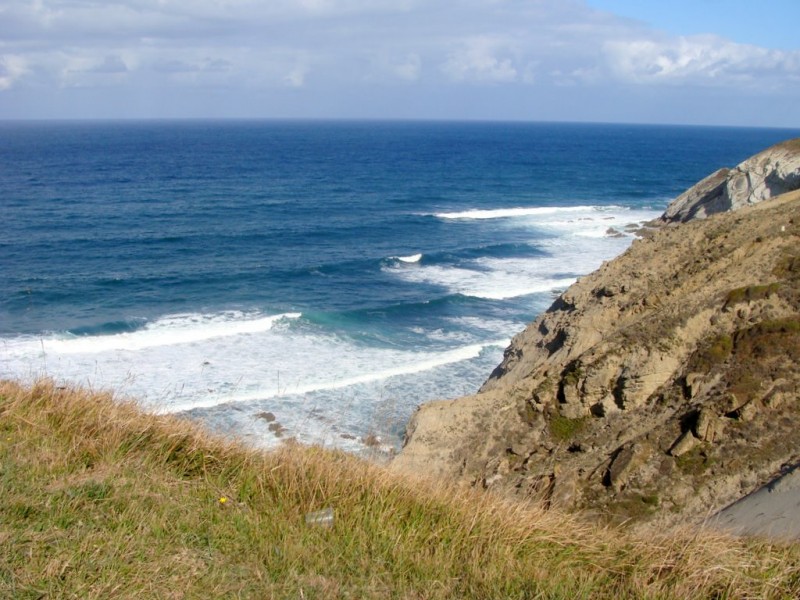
<point x="277" y="429"/>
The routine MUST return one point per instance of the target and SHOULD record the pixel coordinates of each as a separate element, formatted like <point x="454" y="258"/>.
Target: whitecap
<point x="505" y="213"/>
<point x="170" y="330"/>
<point x="496" y="283"/>
<point x="576" y="243"/>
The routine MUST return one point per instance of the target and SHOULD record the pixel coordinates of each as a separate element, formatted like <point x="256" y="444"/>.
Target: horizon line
<point x="384" y="120"/>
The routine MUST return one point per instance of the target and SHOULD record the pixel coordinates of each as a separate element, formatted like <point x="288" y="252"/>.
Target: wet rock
<point x="277" y="429"/>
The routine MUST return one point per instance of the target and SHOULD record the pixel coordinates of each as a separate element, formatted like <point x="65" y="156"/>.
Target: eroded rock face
<point x="770" y="173"/>
<point x="664" y="383"/>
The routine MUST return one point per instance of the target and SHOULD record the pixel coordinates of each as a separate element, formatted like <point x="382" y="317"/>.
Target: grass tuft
<point x="751" y="293"/>
<point x="101" y="501"/>
<point x="563" y="428"/>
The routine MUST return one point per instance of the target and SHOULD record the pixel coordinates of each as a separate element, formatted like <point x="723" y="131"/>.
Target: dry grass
<point x="101" y="501"/>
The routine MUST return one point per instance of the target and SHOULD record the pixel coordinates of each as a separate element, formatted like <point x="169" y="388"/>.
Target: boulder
<point x="683" y="444"/>
<point x="709" y="426"/>
<point x="624" y="464"/>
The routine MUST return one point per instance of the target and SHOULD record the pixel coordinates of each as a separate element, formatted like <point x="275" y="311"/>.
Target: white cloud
<point x="296" y="77"/>
<point x="11" y="69"/>
<point x="320" y="48"/>
<point x="703" y="60"/>
<point x="393" y="68"/>
<point x="79" y="69"/>
<point x="472" y="41"/>
<point x="482" y="60"/>
<point x="110" y="64"/>
<point x="408" y="69"/>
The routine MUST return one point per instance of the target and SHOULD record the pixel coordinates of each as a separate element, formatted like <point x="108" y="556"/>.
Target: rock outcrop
<point x="665" y="383"/>
<point x="770" y="173"/>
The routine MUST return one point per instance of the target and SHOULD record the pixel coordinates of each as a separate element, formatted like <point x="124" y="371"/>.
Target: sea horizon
<point x="386" y="120"/>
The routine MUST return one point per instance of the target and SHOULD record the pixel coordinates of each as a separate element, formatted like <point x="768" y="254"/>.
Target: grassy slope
<point x="100" y="501"/>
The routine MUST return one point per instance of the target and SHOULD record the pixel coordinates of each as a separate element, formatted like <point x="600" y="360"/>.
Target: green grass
<point x="751" y="293"/>
<point x="712" y="354"/>
<point x="634" y="505"/>
<point x="757" y="350"/>
<point x="788" y="266"/>
<point x="100" y="501"/>
<point x="563" y="428"/>
<point x="695" y="462"/>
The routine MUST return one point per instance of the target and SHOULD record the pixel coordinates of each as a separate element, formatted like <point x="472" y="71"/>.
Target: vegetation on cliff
<point x="101" y="501"/>
<point x="664" y="385"/>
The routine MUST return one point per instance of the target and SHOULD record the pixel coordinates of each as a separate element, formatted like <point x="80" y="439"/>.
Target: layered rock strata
<point x="770" y="173"/>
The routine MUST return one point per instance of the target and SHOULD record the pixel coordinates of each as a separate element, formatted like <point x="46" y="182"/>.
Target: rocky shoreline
<point x="662" y="386"/>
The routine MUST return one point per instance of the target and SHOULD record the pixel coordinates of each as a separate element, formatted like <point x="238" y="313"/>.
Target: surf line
<point x="446" y="358"/>
<point x="166" y="332"/>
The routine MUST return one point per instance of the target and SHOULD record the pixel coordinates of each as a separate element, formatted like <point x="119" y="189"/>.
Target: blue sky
<point x="766" y="23"/>
<point x="715" y="62"/>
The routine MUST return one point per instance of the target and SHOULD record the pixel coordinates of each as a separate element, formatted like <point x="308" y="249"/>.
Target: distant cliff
<point x="665" y="383"/>
<point x="770" y="173"/>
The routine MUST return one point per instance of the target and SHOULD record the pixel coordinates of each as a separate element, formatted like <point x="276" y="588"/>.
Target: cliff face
<point x="664" y="383"/>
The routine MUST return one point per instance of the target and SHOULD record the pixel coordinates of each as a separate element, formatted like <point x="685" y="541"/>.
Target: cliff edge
<point x="663" y="384"/>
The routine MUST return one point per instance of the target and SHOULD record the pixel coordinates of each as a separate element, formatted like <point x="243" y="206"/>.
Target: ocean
<point x="310" y="280"/>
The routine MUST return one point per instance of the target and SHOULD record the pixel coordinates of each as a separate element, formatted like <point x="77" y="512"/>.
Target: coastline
<point x="685" y="433"/>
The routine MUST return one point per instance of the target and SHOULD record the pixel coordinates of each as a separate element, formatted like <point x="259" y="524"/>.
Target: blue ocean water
<point x="333" y="274"/>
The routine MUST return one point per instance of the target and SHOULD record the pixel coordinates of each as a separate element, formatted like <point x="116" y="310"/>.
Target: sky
<point x="702" y="62"/>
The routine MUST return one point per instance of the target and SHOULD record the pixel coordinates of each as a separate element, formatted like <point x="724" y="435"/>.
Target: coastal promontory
<point x="663" y="384"/>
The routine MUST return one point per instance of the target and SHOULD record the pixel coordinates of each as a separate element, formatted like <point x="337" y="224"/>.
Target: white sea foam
<point x="594" y="222"/>
<point x="497" y="283"/>
<point x="169" y="331"/>
<point x="342" y="417"/>
<point x="505" y="213"/>
<point x="289" y="365"/>
<point x="414" y="258"/>
<point x="410" y="364"/>
<point x="576" y="241"/>
<point x="488" y="325"/>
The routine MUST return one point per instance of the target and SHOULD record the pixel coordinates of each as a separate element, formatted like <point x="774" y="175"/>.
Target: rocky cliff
<point x="666" y="382"/>
<point x="770" y="173"/>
